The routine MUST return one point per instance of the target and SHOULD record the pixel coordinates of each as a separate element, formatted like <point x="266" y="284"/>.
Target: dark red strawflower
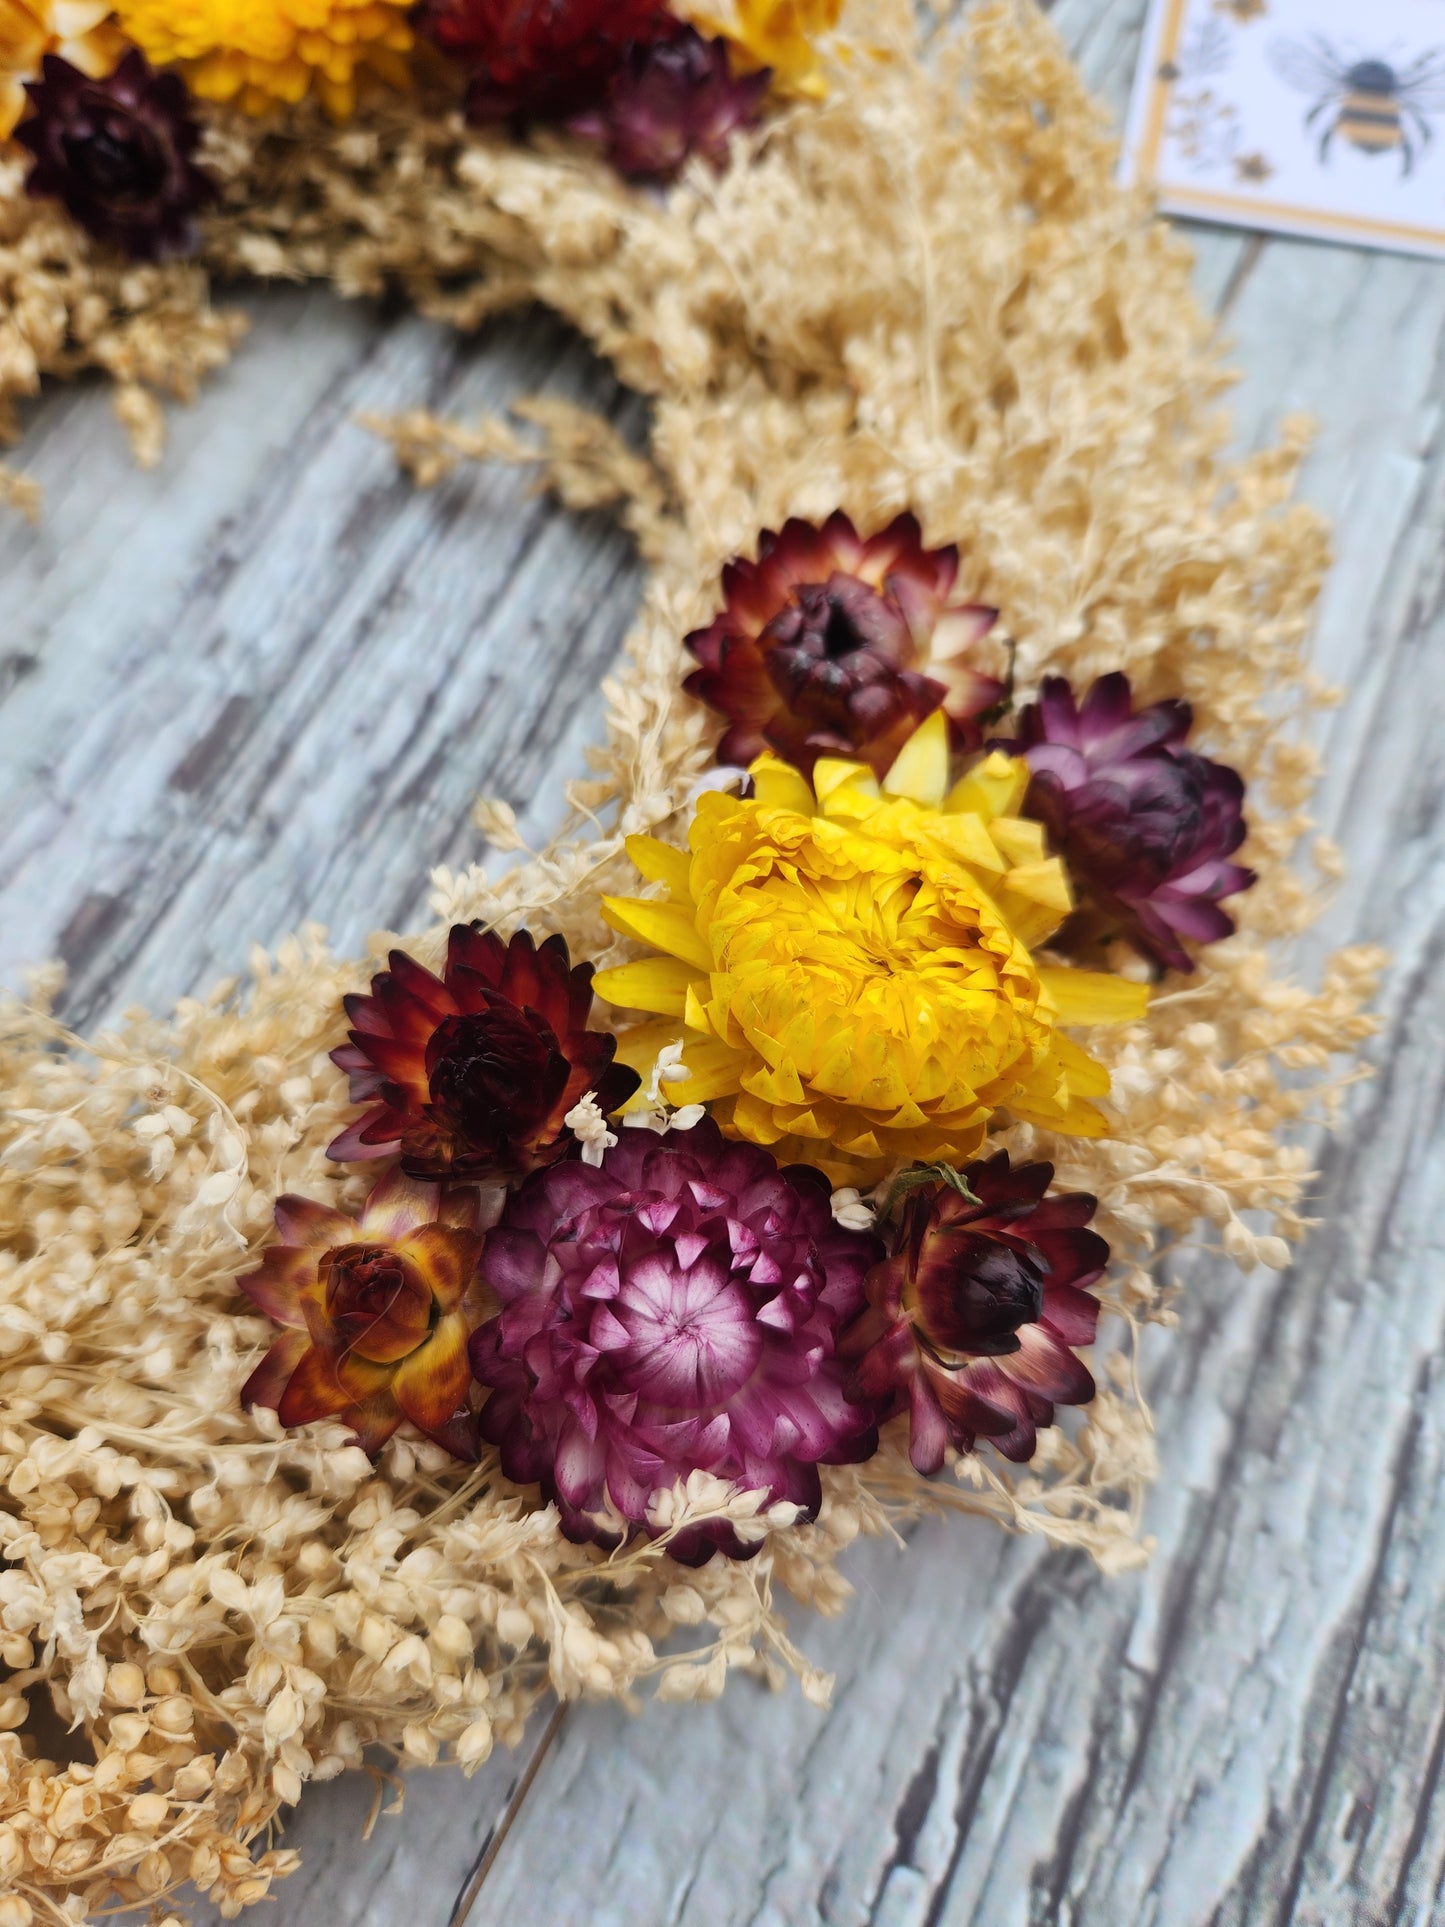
<point x="540" y="59"/>
<point x="830" y="645"/>
<point x="669" y="100"/>
<point x="117" y="152"/>
<point x="672" y="1310"/>
<point x="471" y="1074"/>
<point x="971" y="1324"/>
<point x="1145" y="826"/>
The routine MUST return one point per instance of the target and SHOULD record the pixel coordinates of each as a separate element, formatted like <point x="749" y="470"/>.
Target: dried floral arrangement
<point x="385" y="1345"/>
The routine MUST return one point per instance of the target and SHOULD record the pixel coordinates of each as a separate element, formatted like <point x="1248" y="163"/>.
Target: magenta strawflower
<point x="1146" y="827"/>
<point x="669" y="100"/>
<point x="972" y="1323"/>
<point x="674" y="1309"/>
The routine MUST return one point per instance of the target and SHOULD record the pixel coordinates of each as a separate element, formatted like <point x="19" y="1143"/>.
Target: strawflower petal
<point x="653" y="983"/>
<point x="430" y="1386"/>
<point x="1094" y="996"/>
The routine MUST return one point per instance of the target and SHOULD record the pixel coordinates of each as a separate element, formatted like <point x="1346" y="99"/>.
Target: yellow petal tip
<point x="920" y="770"/>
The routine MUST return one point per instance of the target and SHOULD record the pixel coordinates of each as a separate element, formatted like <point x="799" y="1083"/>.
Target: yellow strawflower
<point x="30" y="29"/>
<point x="261" y="52"/>
<point x="779" y="34"/>
<point x="849" y="967"/>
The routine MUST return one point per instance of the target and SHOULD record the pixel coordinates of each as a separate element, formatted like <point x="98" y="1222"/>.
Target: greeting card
<point x="1313" y="117"/>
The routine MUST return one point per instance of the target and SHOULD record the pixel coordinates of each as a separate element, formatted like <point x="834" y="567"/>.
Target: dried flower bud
<point x="1145" y="826"/>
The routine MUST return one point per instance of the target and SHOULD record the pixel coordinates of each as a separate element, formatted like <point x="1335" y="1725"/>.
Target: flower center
<point x="693" y="1337"/>
<point x="830" y="621"/>
<point x="376" y="1304"/>
<point x="972" y="1293"/>
<point x="912" y="989"/>
<point x="117" y="158"/>
<point x="499" y="1063"/>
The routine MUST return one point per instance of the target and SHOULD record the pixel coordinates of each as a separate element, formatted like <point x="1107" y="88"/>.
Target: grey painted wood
<point x="263" y="683"/>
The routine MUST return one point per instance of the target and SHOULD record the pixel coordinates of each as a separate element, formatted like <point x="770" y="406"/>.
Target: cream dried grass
<point x="925" y="293"/>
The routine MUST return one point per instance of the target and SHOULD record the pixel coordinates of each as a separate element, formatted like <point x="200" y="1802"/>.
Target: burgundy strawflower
<point x="673" y="1310"/>
<point x="117" y="152"/>
<point x="971" y="1323"/>
<point x="830" y="645"/>
<point x="540" y="59"/>
<point x="671" y="99"/>
<point x="471" y="1074"/>
<point x="1145" y="826"/>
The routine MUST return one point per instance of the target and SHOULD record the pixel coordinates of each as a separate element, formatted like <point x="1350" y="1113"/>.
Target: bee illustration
<point x="1374" y="106"/>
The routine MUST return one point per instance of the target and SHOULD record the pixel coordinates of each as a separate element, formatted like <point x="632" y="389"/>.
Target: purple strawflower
<point x="675" y="1309"/>
<point x="1145" y="826"/>
<point x="669" y="100"/>
<point x="117" y="152"/>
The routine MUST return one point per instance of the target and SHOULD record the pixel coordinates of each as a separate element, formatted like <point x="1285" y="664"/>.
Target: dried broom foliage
<point x="925" y="293"/>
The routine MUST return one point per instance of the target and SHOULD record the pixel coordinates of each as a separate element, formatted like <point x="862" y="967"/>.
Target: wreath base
<point x="220" y="1612"/>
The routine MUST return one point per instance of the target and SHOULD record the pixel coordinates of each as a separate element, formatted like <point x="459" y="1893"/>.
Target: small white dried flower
<point x="727" y="776"/>
<point x="587" y="1124"/>
<point x="851" y="1212"/>
<point x="653" y="1113"/>
<point x="669" y="1069"/>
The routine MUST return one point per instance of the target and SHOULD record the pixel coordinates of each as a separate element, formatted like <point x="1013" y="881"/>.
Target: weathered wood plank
<point x="263" y="685"/>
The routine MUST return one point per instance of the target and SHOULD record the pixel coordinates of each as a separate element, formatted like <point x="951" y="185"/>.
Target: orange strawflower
<point x="377" y="1313"/>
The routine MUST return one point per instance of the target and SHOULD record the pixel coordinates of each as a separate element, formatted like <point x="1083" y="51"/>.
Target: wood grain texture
<point x="264" y="683"/>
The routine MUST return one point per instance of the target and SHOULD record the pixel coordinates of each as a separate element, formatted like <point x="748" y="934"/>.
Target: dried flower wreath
<point x="587" y="1312"/>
